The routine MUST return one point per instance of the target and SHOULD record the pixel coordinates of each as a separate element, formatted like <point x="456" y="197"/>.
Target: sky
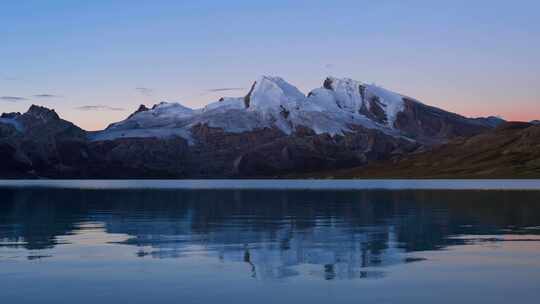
<point x="95" y="61"/>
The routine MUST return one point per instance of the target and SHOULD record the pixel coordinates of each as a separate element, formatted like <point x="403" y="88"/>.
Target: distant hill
<point x="512" y="150"/>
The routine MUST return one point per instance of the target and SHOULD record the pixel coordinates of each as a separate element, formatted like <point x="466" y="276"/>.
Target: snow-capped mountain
<point x="274" y="129"/>
<point x="338" y="106"/>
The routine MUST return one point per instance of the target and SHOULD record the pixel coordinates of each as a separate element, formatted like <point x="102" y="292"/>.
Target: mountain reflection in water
<point x="346" y="235"/>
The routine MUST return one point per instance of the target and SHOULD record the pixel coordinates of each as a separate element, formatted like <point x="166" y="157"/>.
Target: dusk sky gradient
<point x="96" y="61"/>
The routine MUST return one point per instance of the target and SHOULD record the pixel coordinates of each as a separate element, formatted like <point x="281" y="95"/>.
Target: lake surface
<point x="175" y="245"/>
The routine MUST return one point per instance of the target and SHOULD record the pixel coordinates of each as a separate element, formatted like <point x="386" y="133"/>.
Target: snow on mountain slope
<point x="160" y="115"/>
<point x="158" y="132"/>
<point x="225" y="104"/>
<point x="368" y="99"/>
<point x="346" y="92"/>
<point x="272" y="102"/>
<point x="271" y="94"/>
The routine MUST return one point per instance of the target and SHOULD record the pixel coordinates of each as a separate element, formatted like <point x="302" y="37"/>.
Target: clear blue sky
<point x="472" y="57"/>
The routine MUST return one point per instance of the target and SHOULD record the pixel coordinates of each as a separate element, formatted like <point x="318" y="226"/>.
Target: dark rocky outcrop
<point x="247" y="98"/>
<point x="142" y="108"/>
<point x="375" y="111"/>
<point x="327" y="84"/>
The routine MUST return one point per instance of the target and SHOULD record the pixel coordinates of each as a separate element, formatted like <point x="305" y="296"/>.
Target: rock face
<point x="274" y="130"/>
<point x="270" y="152"/>
<point x="432" y="125"/>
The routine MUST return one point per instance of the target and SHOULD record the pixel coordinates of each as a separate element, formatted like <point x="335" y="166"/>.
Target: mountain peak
<point x="271" y="92"/>
<point x="42" y="113"/>
<point x="142" y="108"/>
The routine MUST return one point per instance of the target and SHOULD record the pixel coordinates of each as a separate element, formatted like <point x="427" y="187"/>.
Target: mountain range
<point x="274" y="130"/>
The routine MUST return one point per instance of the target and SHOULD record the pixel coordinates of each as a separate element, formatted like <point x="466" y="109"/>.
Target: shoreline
<point x="282" y="184"/>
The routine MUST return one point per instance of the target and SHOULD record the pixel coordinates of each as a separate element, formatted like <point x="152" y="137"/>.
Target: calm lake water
<point x="133" y="245"/>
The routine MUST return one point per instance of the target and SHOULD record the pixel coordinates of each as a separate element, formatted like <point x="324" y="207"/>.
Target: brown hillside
<point x="510" y="151"/>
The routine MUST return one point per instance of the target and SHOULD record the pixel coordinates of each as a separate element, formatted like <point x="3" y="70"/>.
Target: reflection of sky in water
<point x="199" y="238"/>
